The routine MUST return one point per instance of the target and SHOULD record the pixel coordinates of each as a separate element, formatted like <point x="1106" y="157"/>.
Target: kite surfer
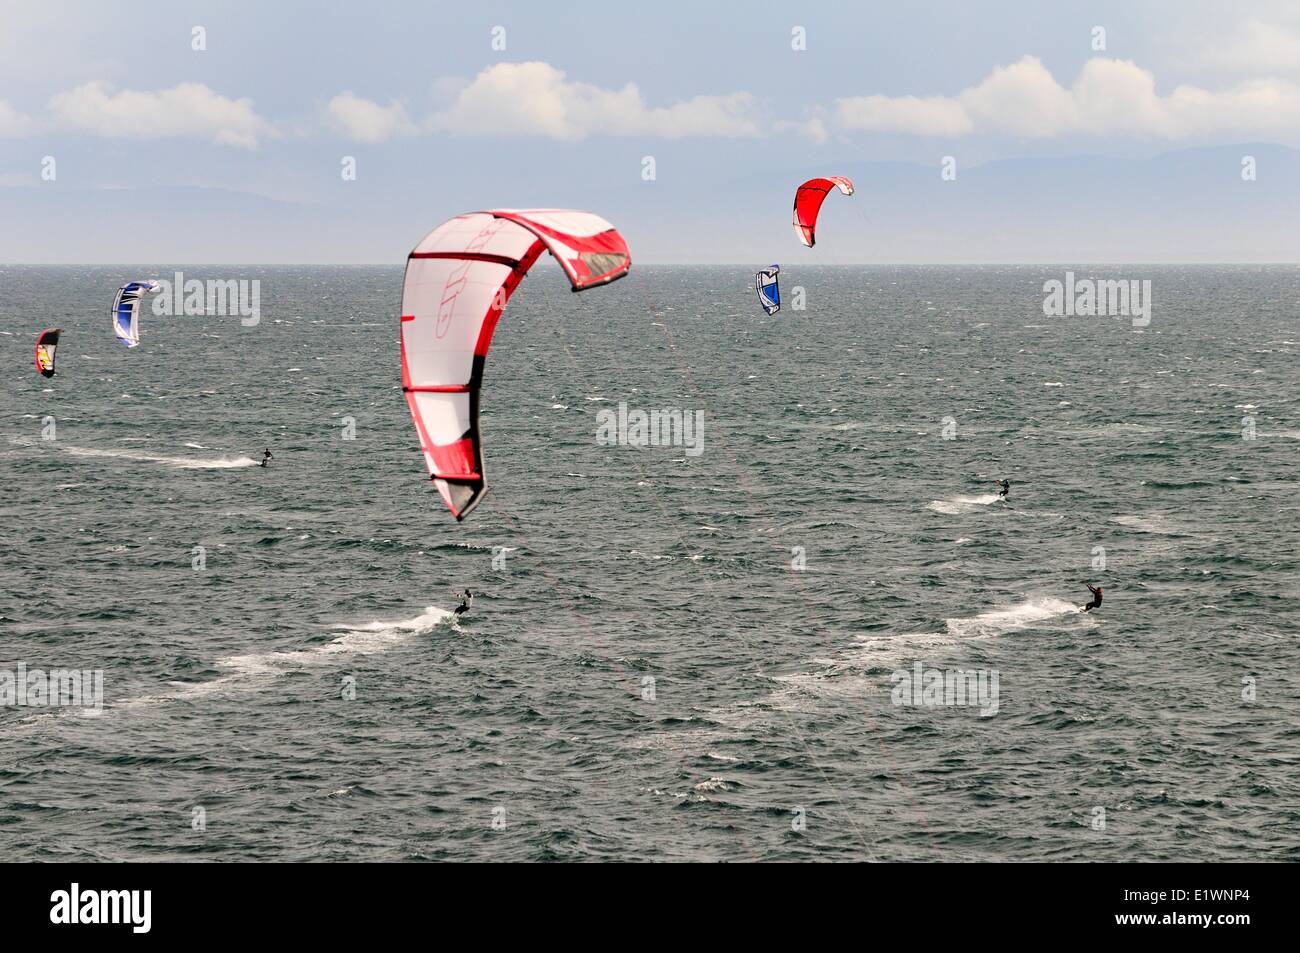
<point x="1006" y="487"/>
<point x="266" y="457"/>
<point x="1096" y="598"/>
<point x="466" y="601"/>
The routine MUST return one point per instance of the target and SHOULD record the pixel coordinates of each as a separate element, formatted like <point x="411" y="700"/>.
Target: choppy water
<point x="638" y="572"/>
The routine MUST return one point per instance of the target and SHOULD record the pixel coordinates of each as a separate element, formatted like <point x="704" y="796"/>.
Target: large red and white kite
<point x="458" y="280"/>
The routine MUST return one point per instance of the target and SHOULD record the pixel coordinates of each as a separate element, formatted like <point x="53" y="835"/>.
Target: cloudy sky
<point x="1091" y="130"/>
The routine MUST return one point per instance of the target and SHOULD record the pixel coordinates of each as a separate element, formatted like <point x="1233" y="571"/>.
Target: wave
<point x="1149" y="524"/>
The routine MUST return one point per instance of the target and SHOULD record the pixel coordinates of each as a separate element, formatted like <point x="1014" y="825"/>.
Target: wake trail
<point x="368" y="638"/>
<point x="861" y="671"/>
<point x="997" y="621"/>
<point x="183" y="463"/>
<point x="962" y="504"/>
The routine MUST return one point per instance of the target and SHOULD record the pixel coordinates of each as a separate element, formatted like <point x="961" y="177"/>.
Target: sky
<point x="221" y="132"/>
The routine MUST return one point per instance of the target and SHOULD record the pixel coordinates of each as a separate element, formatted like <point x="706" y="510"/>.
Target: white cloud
<point x="535" y="99"/>
<point x="367" y="121"/>
<point x="186" y="111"/>
<point x="1022" y="99"/>
<point x="812" y="127"/>
<point x="917" y="115"/>
<point x="1109" y="97"/>
<point x="1256" y="47"/>
<point x="12" y="122"/>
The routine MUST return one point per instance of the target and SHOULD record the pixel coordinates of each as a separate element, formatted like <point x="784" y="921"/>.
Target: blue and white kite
<point x="769" y="292"/>
<point x="126" y="310"/>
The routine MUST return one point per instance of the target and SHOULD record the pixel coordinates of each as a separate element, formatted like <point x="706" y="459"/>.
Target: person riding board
<point x="1006" y="487"/>
<point x="266" y="457"/>
<point x="466" y="601"/>
<point x="1096" y="598"/>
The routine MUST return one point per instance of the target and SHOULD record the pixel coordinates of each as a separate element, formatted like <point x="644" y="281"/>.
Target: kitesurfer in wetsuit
<point x="1006" y="487"/>
<point x="1096" y="597"/>
<point x="466" y="601"/>
<point x="266" y="457"/>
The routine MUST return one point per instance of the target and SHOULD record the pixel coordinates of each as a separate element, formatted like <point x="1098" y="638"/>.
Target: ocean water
<point x="645" y="675"/>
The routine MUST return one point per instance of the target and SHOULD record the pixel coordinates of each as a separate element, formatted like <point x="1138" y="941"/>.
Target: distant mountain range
<point x="1186" y="205"/>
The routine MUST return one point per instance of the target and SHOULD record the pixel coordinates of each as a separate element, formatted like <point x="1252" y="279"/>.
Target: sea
<point x="814" y="633"/>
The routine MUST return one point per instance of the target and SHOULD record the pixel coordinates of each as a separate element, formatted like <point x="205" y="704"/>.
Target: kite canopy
<point x="808" y="199"/>
<point x="769" y="291"/>
<point x="46" y="344"/>
<point x="458" y="280"/>
<point x="126" y="310"/>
